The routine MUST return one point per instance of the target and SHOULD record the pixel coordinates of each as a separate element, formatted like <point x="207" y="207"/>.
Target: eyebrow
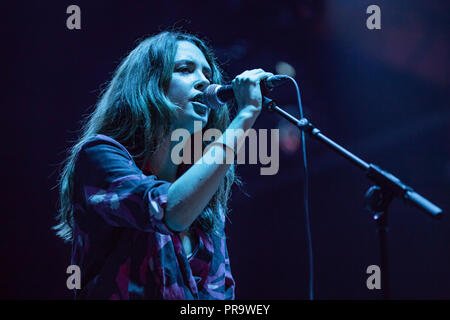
<point x="190" y="62"/>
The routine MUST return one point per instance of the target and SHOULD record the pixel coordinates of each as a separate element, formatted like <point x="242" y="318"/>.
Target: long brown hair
<point x="134" y="110"/>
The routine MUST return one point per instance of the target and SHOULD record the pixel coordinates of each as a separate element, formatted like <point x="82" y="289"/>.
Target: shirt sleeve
<point x="113" y="187"/>
<point x="229" y="280"/>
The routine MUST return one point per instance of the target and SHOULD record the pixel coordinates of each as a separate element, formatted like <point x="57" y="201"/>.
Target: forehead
<point x="186" y="50"/>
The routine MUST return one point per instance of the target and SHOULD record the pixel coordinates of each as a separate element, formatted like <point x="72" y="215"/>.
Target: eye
<point x="183" y="69"/>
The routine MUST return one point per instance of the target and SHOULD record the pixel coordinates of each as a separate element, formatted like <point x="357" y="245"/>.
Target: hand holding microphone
<point x="245" y="89"/>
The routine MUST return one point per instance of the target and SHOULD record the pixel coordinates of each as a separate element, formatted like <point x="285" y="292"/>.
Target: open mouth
<point x="200" y="108"/>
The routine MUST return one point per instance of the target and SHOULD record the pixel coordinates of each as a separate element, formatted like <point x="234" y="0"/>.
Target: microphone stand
<point x="378" y="197"/>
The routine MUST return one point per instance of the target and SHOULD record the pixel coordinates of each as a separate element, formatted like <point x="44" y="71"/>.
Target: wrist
<point x="246" y="117"/>
<point x="249" y="111"/>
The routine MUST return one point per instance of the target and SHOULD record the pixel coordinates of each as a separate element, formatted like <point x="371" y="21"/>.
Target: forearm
<point x="189" y="194"/>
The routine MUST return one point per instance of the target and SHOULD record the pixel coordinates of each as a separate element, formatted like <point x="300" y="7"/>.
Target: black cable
<point x="306" y="197"/>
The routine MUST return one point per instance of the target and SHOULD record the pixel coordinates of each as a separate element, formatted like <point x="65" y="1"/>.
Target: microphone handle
<point x="225" y="93"/>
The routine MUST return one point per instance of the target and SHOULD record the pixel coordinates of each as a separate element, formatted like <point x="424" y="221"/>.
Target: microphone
<point x="215" y="96"/>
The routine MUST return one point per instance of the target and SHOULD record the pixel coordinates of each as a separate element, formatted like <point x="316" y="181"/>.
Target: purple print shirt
<point x="121" y="243"/>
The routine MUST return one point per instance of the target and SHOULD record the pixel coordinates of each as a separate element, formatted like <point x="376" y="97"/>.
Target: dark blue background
<point x="383" y="94"/>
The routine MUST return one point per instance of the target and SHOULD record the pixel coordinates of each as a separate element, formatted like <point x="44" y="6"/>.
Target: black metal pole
<point x="377" y="202"/>
<point x="378" y="198"/>
<point x="382" y="178"/>
<point x="382" y="229"/>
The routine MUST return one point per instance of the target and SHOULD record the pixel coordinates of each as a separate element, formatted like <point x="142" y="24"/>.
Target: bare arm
<point x="189" y="194"/>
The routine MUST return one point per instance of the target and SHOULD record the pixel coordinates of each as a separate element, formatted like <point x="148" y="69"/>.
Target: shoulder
<point x="101" y="142"/>
<point x="100" y="155"/>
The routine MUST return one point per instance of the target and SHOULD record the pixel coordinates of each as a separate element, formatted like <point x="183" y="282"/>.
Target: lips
<point x="200" y="108"/>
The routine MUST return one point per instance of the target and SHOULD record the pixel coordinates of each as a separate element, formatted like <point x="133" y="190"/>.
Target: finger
<point x="266" y="75"/>
<point x="249" y="73"/>
<point x="253" y="76"/>
<point x="261" y="76"/>
<point x="255" y="72"/>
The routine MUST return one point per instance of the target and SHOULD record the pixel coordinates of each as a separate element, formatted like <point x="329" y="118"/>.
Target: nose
<point x="201" y="83"/>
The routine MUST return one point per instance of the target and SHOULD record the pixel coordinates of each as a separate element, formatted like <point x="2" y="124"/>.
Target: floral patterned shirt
<point x="121" y="243"/>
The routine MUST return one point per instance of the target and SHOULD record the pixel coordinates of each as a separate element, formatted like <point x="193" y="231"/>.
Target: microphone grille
<point x="210" y="97"/>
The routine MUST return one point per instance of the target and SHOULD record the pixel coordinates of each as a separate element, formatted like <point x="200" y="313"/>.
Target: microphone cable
<point x="306" y="197"/>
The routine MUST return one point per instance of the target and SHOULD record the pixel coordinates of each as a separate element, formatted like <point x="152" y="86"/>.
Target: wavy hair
<point x="134" y="110"/>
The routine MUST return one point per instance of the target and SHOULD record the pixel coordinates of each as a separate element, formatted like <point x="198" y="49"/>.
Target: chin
<point x="196" y="124"/>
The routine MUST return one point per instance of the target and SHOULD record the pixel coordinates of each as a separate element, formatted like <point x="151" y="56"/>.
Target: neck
<point x="160" y="163"/>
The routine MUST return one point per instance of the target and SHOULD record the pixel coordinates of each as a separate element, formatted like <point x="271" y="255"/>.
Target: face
<point x="190" y="77"/>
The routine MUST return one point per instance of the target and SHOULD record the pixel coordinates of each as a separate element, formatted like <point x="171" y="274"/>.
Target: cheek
<point x="175" y="92"/>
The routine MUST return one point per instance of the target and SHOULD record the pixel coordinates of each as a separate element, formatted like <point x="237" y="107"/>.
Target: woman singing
<point x="141" y="226"/>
